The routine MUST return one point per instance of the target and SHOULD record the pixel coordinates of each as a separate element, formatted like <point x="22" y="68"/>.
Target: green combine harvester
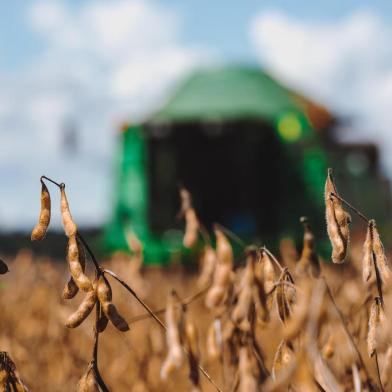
<point x="252" y="152"/>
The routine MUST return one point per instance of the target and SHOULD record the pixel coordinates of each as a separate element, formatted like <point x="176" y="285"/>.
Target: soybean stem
<point x="204" y="233"/>
<point x="50" y="180"/>
<point x="95" y="350"/>
<point x="265" y="249"/>
<point x="359" y="213"/>
<point x="187" y="301"/>
<point x="98" y="268"/>
<point x="282" y="283"/>
<point x="230" y="234"/>
<point x="163" y="326"/>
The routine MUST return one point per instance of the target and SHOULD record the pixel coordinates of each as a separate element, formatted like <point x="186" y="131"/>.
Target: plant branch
<point x="99" y="271"/>
<point x="163" y="326"/>
<point x="275" y="260"/>
<point x="359" y="213"/>
<point x="230" y="234"/>
<point x="98" y="268"/>
<point x="50" y="180"/>
<point x="94" y="360"/>
<point x="204" y="233"/>
<point x="187" y="301"/>
<point x="282" y="283"/>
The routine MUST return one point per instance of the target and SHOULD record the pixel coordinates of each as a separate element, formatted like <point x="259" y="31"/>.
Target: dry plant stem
<point x="187" y="301"/>
<point x="265" y="249"/>
<point x="94" y="361"/>
<point x="350" y="337"/>
<point x="196" y="296"/>
<point x="98" y="268"/>
<point x="359" y="213"/>
<point x="151" y="313"/>
<point x="204" y="233"/>
<point x="50" y="180"/>
<point x="232" y="235"/>
<point x="378" y="371"/>
<point x="283" y="283"/>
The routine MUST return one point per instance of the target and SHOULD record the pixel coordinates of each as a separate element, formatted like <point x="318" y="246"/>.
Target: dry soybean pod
<point x="213" y="344"/>
<point x="104" y="293"/>
<point x="223" y="274"/>
<point x="284" y="354"/>
<point x="191" y="222"/>
<point x="115" y="318"/>
<point x="88" y="382"/>
<point x="83" y="310"/>
<point x="69" y="225"/>
<point x="337" y="221"/>
<point x="374" y="320"/>
<point x="294" y="325"/>
<point x="75" y="267"/>
<point x="41" y="227"/>
<point x="282" y="301"/>
<point x="191" y="338"/>
<point x="102" y="321"/>
<point x="241" y="310"/>
<point x="379" y="252"/>
<point x="268" y="272"/>
<point x="208" y="263"/>
<point x="308" y="263"/>
<point x="367" y="260"/>
<point x="174" y="355"/>
<point x="71" y="288"/>
<point x="246" y="371"/>
<point x="224" y="251"/>
<point x="191" y="228"/>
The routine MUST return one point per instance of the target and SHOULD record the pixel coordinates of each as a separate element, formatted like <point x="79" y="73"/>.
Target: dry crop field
<point x="262" y="322"/>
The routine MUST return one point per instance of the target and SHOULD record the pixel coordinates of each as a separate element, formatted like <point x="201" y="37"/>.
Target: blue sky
<point x="98" y="63"/>
<point x="224" y="24"/>
<point x="219" y="24"/>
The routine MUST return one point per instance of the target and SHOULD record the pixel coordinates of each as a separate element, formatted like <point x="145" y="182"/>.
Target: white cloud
<point x="101" y="64"/>
<point x="106" y="29"/>
<point x="346" y="64"/>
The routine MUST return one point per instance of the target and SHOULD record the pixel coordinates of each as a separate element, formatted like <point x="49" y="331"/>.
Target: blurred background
<point x="244" y="103"/>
